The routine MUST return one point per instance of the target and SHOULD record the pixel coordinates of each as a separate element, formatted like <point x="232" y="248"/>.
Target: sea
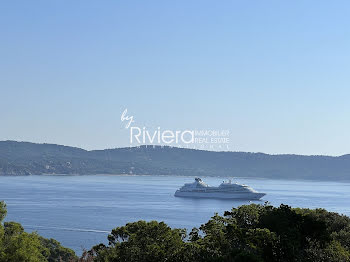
<point x="80" y="211"/>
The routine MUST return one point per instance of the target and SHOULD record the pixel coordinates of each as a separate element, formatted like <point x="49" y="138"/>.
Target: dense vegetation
<point x="22" y="158"/>
<point x="249" y="233"/>
<point x="19" y="246"/>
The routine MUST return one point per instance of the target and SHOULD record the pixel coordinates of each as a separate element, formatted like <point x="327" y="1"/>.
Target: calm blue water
<point x="79" y="211"/>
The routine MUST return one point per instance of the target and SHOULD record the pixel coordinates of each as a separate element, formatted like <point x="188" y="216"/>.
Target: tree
<point x="142" y="241"/>
<point x="249" y="233"/>
<point x="16" y="245"/>
<point x="3" y="211"/>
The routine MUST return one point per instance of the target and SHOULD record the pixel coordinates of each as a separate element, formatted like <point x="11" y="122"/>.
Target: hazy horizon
<point x="275" y="74"/>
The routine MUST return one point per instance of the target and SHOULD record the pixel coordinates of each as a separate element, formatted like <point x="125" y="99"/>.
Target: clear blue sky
<point x="275" y="73"/>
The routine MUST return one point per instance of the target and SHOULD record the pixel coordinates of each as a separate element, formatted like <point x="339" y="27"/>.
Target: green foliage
<point x="19" y="246"/>
<point x="56" y="252"/>
<point x="142" y="241"/>
<point x="3" y="211"/>
<point x="249" y="233"/>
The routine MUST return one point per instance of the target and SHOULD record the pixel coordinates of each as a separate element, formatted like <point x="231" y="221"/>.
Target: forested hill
<point x="24" y="158"/>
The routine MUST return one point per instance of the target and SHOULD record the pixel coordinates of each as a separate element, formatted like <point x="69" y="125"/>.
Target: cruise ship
<point x="226" y="190"/>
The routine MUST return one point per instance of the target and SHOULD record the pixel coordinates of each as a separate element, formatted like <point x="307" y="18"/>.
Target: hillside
<point x="24" y="158"/>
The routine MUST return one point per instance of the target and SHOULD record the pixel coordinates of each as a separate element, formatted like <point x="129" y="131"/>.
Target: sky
<point x="273" y="73"/>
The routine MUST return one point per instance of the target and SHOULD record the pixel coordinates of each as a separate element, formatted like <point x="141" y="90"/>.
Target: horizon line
<point x="177" y="147"/>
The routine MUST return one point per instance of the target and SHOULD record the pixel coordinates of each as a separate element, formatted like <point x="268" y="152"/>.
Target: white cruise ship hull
<point x="221" y="195"/>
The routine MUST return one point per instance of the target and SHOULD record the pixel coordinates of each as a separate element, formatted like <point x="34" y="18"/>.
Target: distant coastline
<point x="25" y="158"/>
<point x="178" y="175"/>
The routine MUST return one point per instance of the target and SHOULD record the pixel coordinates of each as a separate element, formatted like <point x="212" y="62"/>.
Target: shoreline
<point x="175" y="175"/>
